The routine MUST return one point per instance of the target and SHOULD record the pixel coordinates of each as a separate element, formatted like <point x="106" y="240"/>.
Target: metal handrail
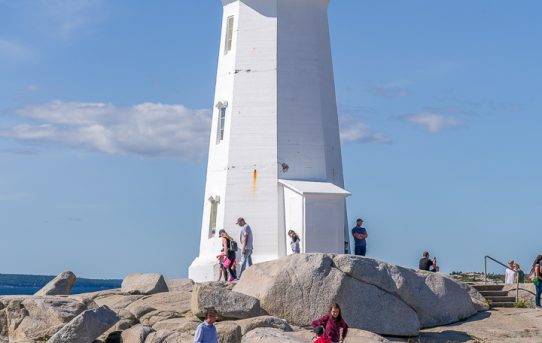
<point x="505" y="266"/>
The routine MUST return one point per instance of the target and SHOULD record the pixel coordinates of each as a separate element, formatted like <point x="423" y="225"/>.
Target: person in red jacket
<point x="319" y="331"/>
<point x="333" y="322"/>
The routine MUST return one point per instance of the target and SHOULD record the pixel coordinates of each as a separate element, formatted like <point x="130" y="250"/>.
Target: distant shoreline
<point x="20" y="284"/>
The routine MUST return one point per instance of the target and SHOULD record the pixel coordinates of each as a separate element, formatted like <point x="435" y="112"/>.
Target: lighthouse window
<point x="221" y="124"/>
<point x="229" y="35"/>
<point x="212" y="219"/>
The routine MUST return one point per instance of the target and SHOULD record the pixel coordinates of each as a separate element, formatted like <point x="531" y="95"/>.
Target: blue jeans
<point x="538" y="292"/>
<point x="246" y="258"/>
<point x="360" y="250"/>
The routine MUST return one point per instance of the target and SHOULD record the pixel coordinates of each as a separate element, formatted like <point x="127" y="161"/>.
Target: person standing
<point x="509" y="273"/>
<point x="427" y="264"/>
<point x="246" y="240"/>
<point x="519" y="272"/>
<point x="206" y="331"/>
<point x="360" y="235"/>
<point x="294" y="243"/>
<point x="536" y="279"/>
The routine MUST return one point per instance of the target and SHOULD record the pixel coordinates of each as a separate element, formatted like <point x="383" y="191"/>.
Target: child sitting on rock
<point x="319" y="331"/>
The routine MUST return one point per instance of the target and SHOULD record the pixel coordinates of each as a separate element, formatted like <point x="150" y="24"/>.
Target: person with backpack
<point x="536" y="277"/>
<point x="229" y="247"/>
<point x="333" y="322"/>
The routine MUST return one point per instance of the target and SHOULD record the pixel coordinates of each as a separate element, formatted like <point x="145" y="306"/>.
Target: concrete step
<point x="494" y="293"/>
<point x="501" y="299"/>
<point x="480" y="288"/>
<point x="502" y="304"/>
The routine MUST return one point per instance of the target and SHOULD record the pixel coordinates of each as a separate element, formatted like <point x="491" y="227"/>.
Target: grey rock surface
<point x="437" y="299"/>
<point x="478" y="300"/>
<point x="180" y="285"/>
<point x="270" y="335"/>
<point x="228" y="304"/>
<point x="137" y="283"/>
<point x="86" y="327"/>
<point x="29" y="318"/>
<point x="161" y="306"/>
<point x="178" y="324"/>
<point x="354" y="335"/>
<point x="228" y="332"/>
<point x="61" y="285"/>
<point x="300" y="288"/>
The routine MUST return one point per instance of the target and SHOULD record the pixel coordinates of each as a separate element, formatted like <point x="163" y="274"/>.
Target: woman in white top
<point x="509" y="276"/>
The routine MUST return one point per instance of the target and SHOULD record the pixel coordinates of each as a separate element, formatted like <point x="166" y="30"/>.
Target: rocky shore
<point x="273" y="302"/>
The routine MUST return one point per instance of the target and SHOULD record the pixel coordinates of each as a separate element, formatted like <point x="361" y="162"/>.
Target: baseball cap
<point x="221" y="231"/>
<point x="239" y="220"/>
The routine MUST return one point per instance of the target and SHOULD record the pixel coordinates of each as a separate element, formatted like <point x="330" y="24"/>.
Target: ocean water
<point x="9" y="290"/>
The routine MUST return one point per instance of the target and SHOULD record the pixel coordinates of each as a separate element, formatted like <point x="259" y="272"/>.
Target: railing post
<point x="517" y="287"/>
<point x="485" y="270"/>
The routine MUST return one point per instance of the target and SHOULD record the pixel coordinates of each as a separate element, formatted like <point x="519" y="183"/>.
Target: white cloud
<point x="354" y="130"/>
<point x="433" y="122"/>
<point x="149" y="129"/>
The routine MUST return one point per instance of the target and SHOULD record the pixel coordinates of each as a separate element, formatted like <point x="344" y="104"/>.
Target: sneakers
<point x="538" y="307"/>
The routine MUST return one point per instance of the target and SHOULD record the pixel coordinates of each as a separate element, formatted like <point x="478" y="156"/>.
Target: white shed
<point x="316" y="212"/>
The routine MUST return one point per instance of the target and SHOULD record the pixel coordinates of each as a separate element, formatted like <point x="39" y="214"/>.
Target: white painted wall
<point x="278" y="82"/>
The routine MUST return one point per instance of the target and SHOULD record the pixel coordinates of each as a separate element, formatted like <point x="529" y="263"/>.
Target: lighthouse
<point x="274" y="150"/>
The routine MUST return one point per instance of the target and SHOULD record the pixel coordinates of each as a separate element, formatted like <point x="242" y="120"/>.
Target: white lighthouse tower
<point x="274" y="153"/>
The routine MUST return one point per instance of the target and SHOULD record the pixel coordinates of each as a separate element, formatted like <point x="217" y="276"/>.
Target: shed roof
<point x="312" y="187"/>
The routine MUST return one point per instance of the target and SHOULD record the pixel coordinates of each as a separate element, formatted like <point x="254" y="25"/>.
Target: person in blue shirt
<point x="206" y="331"/>
<point x="360" y="235"/>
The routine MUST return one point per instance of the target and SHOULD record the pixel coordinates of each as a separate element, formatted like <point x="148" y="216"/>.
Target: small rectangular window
<point x="212" y="219"/>
<point x="229" y="35"/>
<point x="221" y="124"/>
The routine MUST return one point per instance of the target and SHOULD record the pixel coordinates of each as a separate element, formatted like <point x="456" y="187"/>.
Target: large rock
<point x="30" y="318"/>
<point x="437" y="299"/>
<point x="61" y="285"/>
<point x="137" y="283"/>
<point x="180" y="285"/>
<point x="300" y="288"/>
<point x="228" y="304"/>
<point x="270" y="335"/>
<point x="86" y="327"/>
<point x="136" y="334"/>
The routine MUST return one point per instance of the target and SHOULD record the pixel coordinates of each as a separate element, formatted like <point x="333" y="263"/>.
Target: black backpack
<point x="233" y="246"/>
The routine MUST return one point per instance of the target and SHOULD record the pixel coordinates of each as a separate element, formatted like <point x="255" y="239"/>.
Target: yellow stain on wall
<point x="254" y="180"/>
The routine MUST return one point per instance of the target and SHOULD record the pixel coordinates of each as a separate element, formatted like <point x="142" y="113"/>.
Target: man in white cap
<point x="246" y="242"/>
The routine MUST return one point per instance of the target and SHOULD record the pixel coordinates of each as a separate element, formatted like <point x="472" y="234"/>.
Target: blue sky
<point x="105" y="112"/>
